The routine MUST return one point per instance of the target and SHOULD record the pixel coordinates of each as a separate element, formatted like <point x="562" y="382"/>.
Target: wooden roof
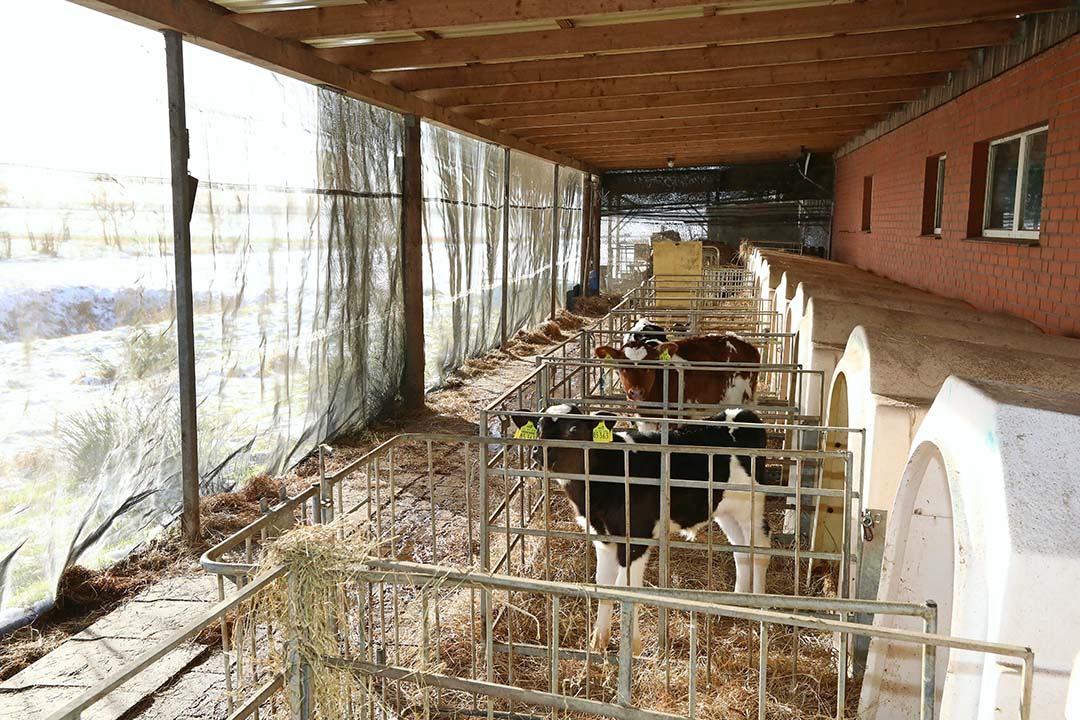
<point x="605" y="84"/>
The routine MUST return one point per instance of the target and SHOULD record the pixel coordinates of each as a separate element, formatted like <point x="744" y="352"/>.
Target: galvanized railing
<point x="469" y="643"/>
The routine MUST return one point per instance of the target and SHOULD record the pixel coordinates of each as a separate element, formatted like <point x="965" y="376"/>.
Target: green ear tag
<point x="601" y="433"/>
<point x="526" y="431"/>
<point x="665" y="355"/>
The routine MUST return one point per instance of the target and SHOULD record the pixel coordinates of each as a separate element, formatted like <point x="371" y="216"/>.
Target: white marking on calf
<point x="626" y="437"/>
<point x="559" y="410"/>
<point x="739" y="391"/>
<point x="635" y="353"/>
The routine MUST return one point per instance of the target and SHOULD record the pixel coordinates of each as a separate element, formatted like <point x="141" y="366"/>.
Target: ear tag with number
<point x="665" y="355"/>
<point x="601" y="433"/>
<point x="526" y="431"/>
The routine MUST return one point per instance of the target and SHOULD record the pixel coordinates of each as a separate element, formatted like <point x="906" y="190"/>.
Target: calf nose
<point x="634" y="393"/>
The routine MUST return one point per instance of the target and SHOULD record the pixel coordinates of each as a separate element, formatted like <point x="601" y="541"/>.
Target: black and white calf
<point x="645" y="331"/>
<point x="740" y="514"/>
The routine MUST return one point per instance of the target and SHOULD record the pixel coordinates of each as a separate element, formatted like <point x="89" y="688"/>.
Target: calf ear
<point x="606" y="351"/>
<point x="668" y="348"/>
<point x="520" y="420"/>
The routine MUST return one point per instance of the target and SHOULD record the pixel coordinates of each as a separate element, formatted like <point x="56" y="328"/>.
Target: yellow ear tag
<point x="601" y="433"/>
<point x="526" y="431"/>
<point x="665" y="355"/>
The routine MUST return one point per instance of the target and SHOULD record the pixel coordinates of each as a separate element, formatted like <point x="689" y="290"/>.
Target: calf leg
<point x="733" y="529"/>
<point x="608" y="571"/>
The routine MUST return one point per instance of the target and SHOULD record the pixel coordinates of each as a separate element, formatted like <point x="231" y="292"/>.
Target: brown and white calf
<point x="699" y="387"/>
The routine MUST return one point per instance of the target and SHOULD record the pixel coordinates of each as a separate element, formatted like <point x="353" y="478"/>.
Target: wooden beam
<point x="382" y="17"/>
<point x="868" y="16"/>
<point x="856" y="122"/>
<point x="738" y="108"/>
<point x="662" y="146"/>
<point x="652" y="163"/>
<point x="209" y="25"/>
<point x="669" y="124"/>
<point x="860" y="68"/>
<point x="725" y="153"/>
<point x="955" y="37"/>
<point x="913" y="84"/>
<point x="412" y="264"/>
<point x="771" y="132"/>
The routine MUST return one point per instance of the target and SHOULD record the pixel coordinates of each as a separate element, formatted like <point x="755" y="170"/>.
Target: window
<point x="867" y="199"/>
<point x="933" y="194"/>
<point x="1014" y="185"/>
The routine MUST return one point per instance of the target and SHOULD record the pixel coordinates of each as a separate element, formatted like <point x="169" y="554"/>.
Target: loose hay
<point x="325" y="592"/>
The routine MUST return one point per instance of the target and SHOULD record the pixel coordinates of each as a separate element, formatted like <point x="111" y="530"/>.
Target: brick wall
<point x="1039" y="283"/>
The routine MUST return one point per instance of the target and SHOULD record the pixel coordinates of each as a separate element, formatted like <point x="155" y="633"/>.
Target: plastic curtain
<point x="532" y="197"/>
<point x="295" y="262"/>
<point x="463" y="274"/>
<point x="89" y="442"/>
<point x="570" y="216"/>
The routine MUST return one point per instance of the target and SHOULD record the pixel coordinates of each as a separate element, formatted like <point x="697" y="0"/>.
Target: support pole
<point x="555" y="242"/>
<point x="504" y="323"/>
<point x="412" y="266"/>
<point x="185" y="324"/>
<point x="594" y="254"/>
<point x="586" y="231"/>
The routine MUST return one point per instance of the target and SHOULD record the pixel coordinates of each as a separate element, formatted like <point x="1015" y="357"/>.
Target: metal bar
<point x="251" y="707"/>
<point x="763" y="667"/>
<point x="929" y="657"/>
<point x="185" y="321"/>
<point x="494" y="690"/>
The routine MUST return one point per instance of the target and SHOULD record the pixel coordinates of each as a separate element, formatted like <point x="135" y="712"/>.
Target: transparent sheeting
<point x="89" y="442"/>
<point x="532" y="197"/>
<point x="295" y="238"/>
<point x="570" y="199"/>
<point x="463" y="273"/>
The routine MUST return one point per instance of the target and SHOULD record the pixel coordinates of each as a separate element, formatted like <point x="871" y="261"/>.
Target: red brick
<point x="1039" y="283"/>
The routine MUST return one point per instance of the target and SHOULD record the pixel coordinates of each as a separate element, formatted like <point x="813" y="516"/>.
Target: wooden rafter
<point x="209" y="25"/>
<point x="956" y="37"/>
<point x="913" y="84"/>
<point x="384" y="17"/>
<point x="853" y="102"/>
<point x="539" y="132"/>
<point x="707" y="80"/>
<point x="571" y="143"/>
<point x="868" y="16"/>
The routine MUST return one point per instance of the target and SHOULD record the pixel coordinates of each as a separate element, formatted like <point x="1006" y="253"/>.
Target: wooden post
<point x="503" y="325"/>
<point x="586" y="231"/>
<point x="554" y="242"/>
<point x="597" y="196"/>
<point x="412" y="265"/>
<point x="185" y="323"/>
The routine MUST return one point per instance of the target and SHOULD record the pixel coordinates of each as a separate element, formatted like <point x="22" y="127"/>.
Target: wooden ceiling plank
<point x="855" y="100"/>
<point x="749" y="133"/>
<point x="868" y="16"/>
<point x="954" y="37"/>
<point x="540" y="134"/>
<point x="832" y="70"/>
<point x="788" y="91"/>
<point x="358" y="19"/>
<point x="208" y="25"/>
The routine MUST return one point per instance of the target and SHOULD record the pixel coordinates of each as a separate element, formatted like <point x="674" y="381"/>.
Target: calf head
<point x="638" y="382"/>
<point x="552" y="426"/>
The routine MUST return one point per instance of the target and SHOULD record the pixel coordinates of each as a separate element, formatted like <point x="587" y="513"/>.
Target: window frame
<point x="1018" y="193"/>
<point x="939" y="195"/>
